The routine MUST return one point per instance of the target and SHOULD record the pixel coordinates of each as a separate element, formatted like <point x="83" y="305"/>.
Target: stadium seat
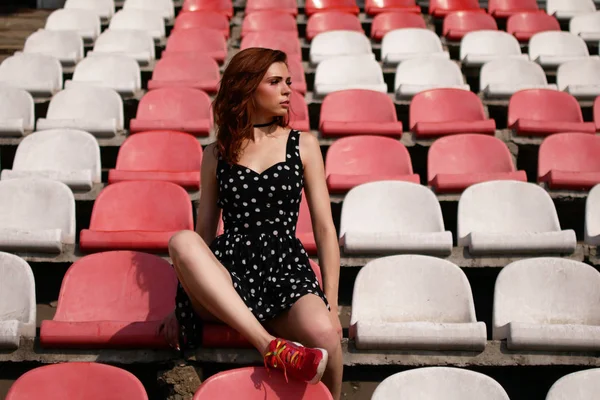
<point x="581" y="385"/>
<point x="198" y="41"/>
<point x="65" y="155"/>
<point x="17" y="301"/>
<point x="359" y="112"/>
<point x="39" y="74"/>
<point x="332" y="21"/>
<point x="524" y="25"/>
<point x="441" y="8"/>
<point x="66" y="46"/>
<point x="420" y="74"/>
<point x="16" y="112"/>
<point x="339" y="44"/>
<point x="296" y="70"/>
<point x="513" y="217"/>
<point x="315" y="6"/>
<point x="552" y="48"/>
<point x="159" y="156"/>
<point x="163" y="7"/>
<point x="570" y="161"/>
<point x="439" y="382"/>
<point x="304" y="228"/>
<point x="285" y="6"/>
<point x="256" y="383"/>
<point x="137" y="215"/>
<point x="506" y="8"/>
<point x="85" y="22"/>
<point x="36" y="215"/>
<point x="359" y="159"/>
<point x="586" y="26"/>
<point x="581" y="78"/>
<point x="389" y="21"/>
<point x="439" y="112"/>
<point x="198" y="71"/>
<point x="118" y="72"/>
<point x="567" y="9"/>
<point x="412" y="302"/>
<point x="298" y="112"/>
<point x="287" y="42"/>
<point x="393" y="217"/>
<point x="504" y="77"/>
<point x="342" y="73"/>
<point x="457" y="24"/>
<point x="92" y="381"/>
<point x="456" y="162"/>
<point x="477" y="48"/>
<point x="138" y="45"/>
<point x="176" y="108"/>
<point x="141" y="20"/>
<point x="375" y="7"/>
<point x="592" y="217"/>
<point x="105" y="9"/>
<point x="561" y="298"/>
<point x="541" y="112"/>
<point x="404" y="44"/>
<point x="269" y="21"/>
<point x="224" y="7"/>
<point x="203" y="19"/>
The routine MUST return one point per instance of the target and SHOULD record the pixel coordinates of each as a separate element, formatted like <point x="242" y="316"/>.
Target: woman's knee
<point x="324" y="336"/>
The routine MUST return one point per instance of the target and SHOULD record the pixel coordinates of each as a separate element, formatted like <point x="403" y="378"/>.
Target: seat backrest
<point x="26" y="70"/>
<point x="143" y="20"/>
<point x="427" y="71"/>
<point x="287" y="42"/>
<point x="577" y="152"/>
<point x="580" y="6"/>
<point x="340" y="42"/>
<point x="557" y="43"/>
<point x="349" y="70"/>
<point x="512" y="5"/>
<point x="202" y="19"/>
<point x="178" y="103"/>
<point x="578" y="72"/>
<point x="578" y="385"/>
<point x="224" y="7"/>
<point x="17" y="104"/>
<point x="272" y="20"/>
<point x="104" y="8"/>
<point x="410" y="40"/>
<point x="296" y="70"/>
<point x="253" y="6"/>
<point x="298" y="110"/>
<point x="472" y="20"/>
<point x="443" y="105"/>
<point x="17" y="289"/>
<point x="589" y="22"/>
<point x="453" y="5"/>
<point x="199" y="40"/>
<point x="333" y="20"/>
<point x="543" y="105"/>
<point x="592" y="215"/>
<point x="122" y="41"/>
<point x="111" y="70"/>
<point x="489" y="42"/>
<point x="79" y="20"/>
<point x="468" y="154"/>
<point x="531" y="22"/>
<point x="304" y="223"/>
<point x="186" y="66"/>
<point x="358" y="105"/>
<point x="59" y="44"/>
<point x="164" y="7"/>
<point x="512" y="72"/>
<point x="389" y="21"/>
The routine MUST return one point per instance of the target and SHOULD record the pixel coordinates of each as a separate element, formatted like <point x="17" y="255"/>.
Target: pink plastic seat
<point x="441" y="8"/>
<point x="374" y="7"/>
<point x="458" y="24"/>
<point x="570" y="161"/>
<point x="524" y="25"/>
<point x="203" y="19"/>
<point x="506" y="8"/>
<point x="359" y="112"/>
<point x="175" y="108"/>
<point x="198" y="71"/>
<point x="137" y="215"/>
<point x="352" y="161"/>
<point x="296" y="70"/>
<point x="77" y="380"/>
<point x="224" y="7"/>
<point x="541" y="112"/>
<point x="298" y="112"/>
<point x="304" y="228"/>
<point x="440" y="112"/>
<point x="332" y="21"/>
<point x="256" y="383"/>
<point x="269" y="21"/>
<point x="115" y="299"/>
<point x="159" y="156"/>
<point x="314" y="6"/>
<point x="456" y="162"/>
<point x="287" y="42"/>
<point x="197" y="41"/>
<point x="389" y="21"/>
<point x="286" y="6"/>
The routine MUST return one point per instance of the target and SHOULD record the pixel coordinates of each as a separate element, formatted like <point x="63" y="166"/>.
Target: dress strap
<point x="293" y="148"/>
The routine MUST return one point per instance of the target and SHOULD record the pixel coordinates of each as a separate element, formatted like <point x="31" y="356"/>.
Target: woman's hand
<point x="170" y="329"/>
<point x="335" y="320"/>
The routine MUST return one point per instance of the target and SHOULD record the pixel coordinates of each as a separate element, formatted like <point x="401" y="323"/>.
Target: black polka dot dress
<point x="268" y="265"/>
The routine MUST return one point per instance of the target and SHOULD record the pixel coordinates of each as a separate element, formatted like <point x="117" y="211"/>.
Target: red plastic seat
<point x="570" y="161"/>
<point x="304" y="228"/>
<point x="459" y="23"/>
<point x="456" y="162"/>
<point x="298" y="112"/>
<point x="389" y="21"/>
<point x="197" y="41"/>
<point x="177" y="109"/>
<point x="198" y="71"/>
<point x="440" y="112"/>
<point x="224" y="7"/>
<point x="541" y="112"/>
<point x="286" y="6"/>
<point x="296" y="70"/>
<point x="359" y="112"/>
<point x="441" y="8"/>
<point x="506" y="8"/>
<point x="203" y="19"/>
<point x="314" y="6"/>
<point x="115" y="299"/>
<point x="77" y="380"/>
<point x="287" y="42"/>
<point x="374" y="7"/>
<point x="269" y="21"/>
<point x="352" y="161"/>
<point x="524" y="25"/>
<point x="256" y="383"/>
<point x="332" y="21"/>
<point x="159" y="156"/>
<point x="137" y="215"/>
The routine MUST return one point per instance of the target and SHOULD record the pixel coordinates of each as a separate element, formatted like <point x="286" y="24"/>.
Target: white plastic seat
<point x="548" y="304"/>
<point x="339" y="43"/>
<point x="36" y="215"/>
<point x="567" y="9"/>
<point x="165" y="8"/>
<point x="435" y="383"/>
<point x="414" y="302"/>
<point x="581" y="385"/>
<point x="581" y="78"/>
<point x="16" y="112"/>
<point x="510" y="217"/>
<point x="552" y="48"/>
<point x="404" y="44"/>
<point x="96" y="110"/>
<point x="136" y="44"/>
<point x="479" y="47"/>
<point x="65" y="155"/>
<point x="352" y="72"/>
<point x="419" y="74"/>
<point x="17" y="301"/>
<point x="586" y="26"/>
<point x="39" y="74"/>
<point x="392" y="217"/>
<point x="105" y="9"/>
<point x="85" y="22"/>
<point x="117" y="72"/>
<point x="148" y="21"/>
<point x="502" y="78"/>
<point x="592" y="217"/>
<point x="66" y="46"/>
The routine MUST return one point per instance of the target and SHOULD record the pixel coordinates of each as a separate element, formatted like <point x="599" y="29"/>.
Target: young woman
<point x="256" y="276"/>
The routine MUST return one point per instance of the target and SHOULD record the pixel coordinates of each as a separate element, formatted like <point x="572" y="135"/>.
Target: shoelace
<point x="281" y="353"/>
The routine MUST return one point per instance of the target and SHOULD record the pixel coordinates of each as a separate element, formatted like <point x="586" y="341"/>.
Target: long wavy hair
<point x="233" y="105"/>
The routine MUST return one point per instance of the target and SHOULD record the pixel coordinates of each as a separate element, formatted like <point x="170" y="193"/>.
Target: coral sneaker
<point x="302" y="363"/>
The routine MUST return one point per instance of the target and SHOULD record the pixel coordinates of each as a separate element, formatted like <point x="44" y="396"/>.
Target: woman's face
<point x="272" y="97"/>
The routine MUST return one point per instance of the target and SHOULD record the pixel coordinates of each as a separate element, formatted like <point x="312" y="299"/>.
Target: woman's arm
<point x="208" y="211"/>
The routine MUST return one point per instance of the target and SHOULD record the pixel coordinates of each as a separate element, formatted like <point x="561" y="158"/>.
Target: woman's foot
<point x="302" y="363"/>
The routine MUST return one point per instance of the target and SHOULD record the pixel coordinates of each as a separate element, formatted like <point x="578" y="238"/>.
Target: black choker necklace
<point x="267" y="124"/>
